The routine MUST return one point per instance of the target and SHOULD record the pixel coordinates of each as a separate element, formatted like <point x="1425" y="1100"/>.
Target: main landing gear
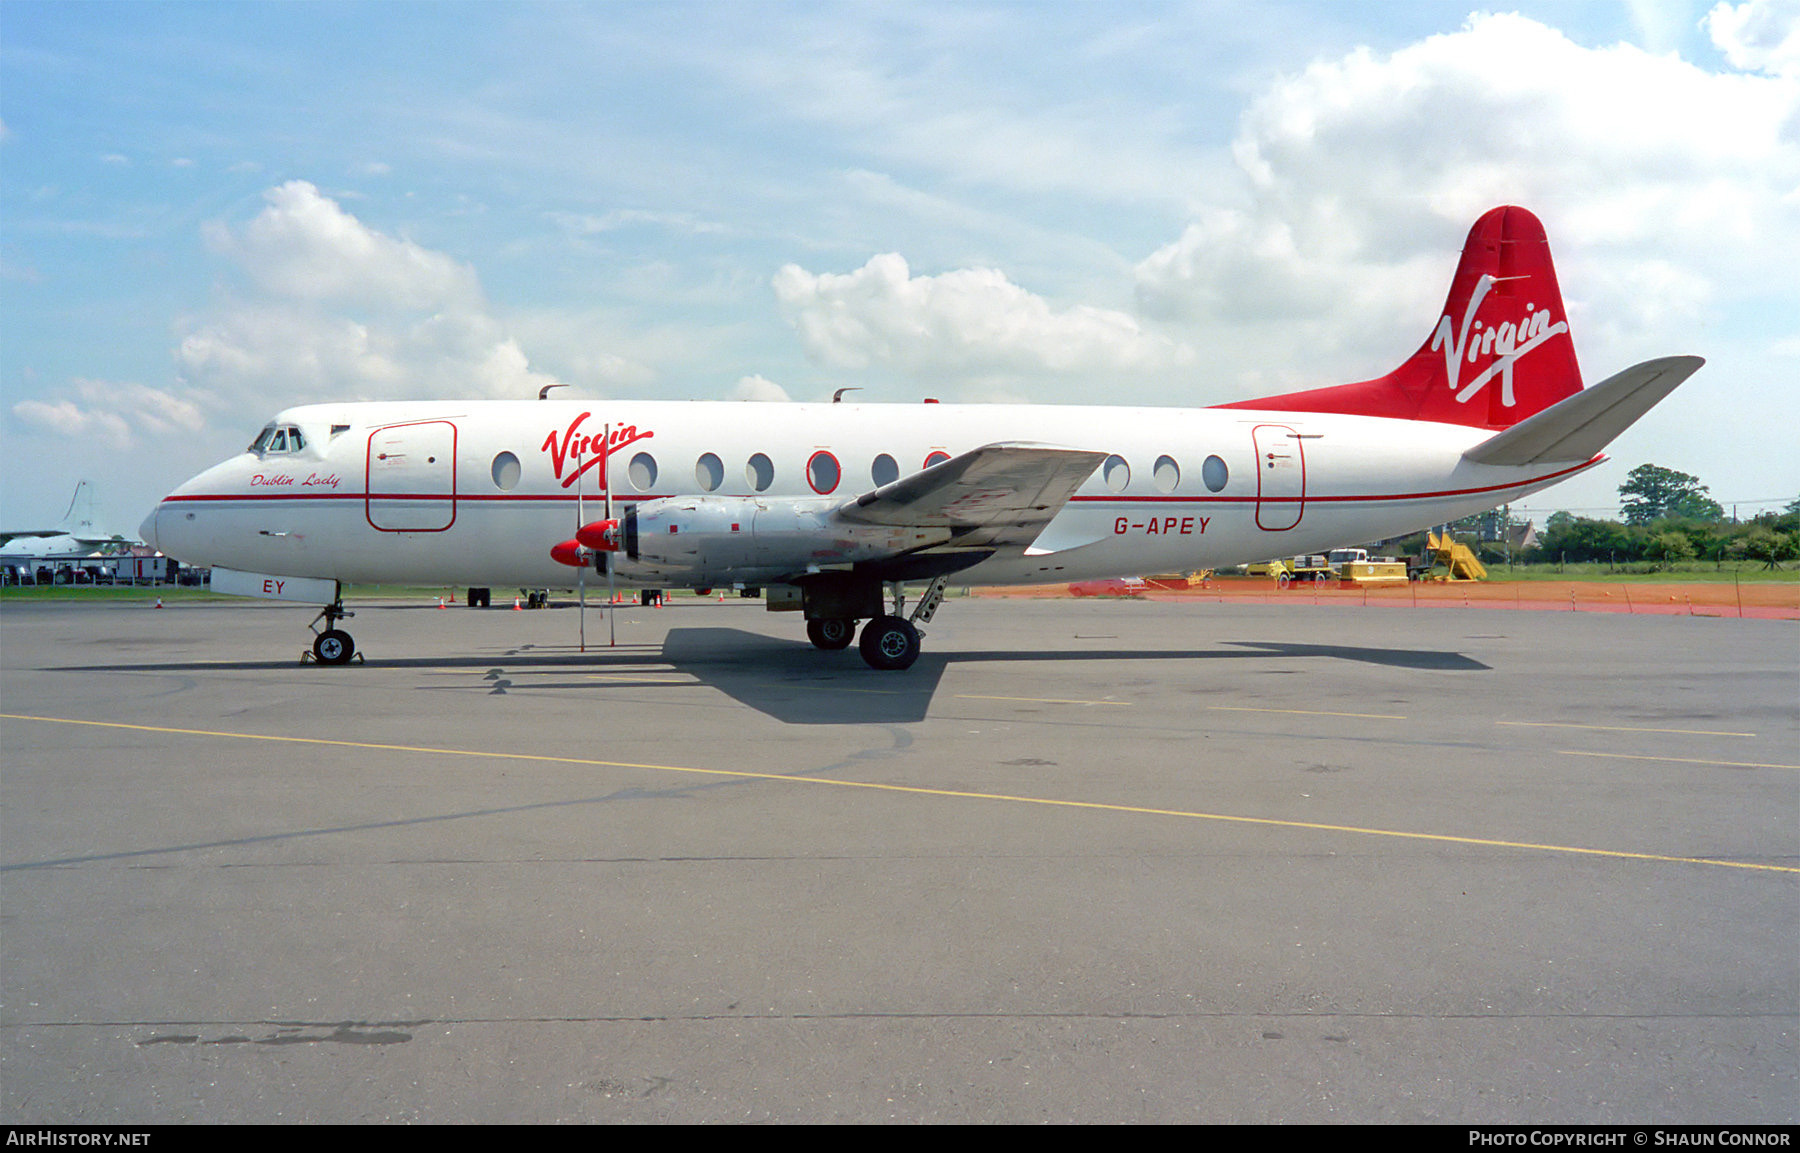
<point x="890" y="642"/>
<point x="332" y="646"/>
<point x="831" y="633"/>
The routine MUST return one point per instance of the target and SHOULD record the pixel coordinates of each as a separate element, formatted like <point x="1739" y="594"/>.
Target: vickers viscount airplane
<point x="833" y="508"/>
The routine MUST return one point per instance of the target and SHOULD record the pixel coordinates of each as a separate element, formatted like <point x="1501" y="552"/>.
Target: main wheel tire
<point x="890" y="644"/>
<point x="334" y="647"/>
<point x="831" y="633"/>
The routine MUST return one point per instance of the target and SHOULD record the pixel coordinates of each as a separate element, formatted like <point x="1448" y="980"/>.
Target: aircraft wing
<point x="995" y="496"/>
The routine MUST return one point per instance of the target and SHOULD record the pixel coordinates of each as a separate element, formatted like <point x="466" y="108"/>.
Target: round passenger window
<point x="1167" y="474"/>
<point x="936" y="458"/>
<point x="1214" y="473"/>
<point x="506" y="471"/>
<point x="709" y="472"/>
<point x="642" y="472"/>
<point x="884" y="470"/>
<point x="822" y="472"/>
<point x="1116" y="472"/>
<point x="760" y="472"/>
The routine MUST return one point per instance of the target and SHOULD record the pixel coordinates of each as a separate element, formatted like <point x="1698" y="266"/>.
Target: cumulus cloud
<point x="112" y="413"/>
<point x="971" y="319"/>
<point x="322" y="307"/>
<point x="304" y="247"/>
<point x="338" y="310"/>
<point x="1364" y="171"/>
<point x="1760" y="36"/>
<point x="758" y="387"/>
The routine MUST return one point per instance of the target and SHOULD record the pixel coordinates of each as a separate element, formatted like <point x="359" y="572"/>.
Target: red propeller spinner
<point x="601" y="536"/>
<point x="571" y="553"/>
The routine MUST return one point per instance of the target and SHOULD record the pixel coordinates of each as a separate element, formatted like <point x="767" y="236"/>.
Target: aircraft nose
<point x="147" y="530"/>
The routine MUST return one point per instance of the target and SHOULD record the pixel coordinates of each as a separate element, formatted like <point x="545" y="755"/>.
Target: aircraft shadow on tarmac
<point x="795" y="683"/>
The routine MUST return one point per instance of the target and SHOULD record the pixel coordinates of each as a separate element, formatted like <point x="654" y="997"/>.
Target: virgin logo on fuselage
<point x="587" y="450"/>
<point x="1508" y="340"/>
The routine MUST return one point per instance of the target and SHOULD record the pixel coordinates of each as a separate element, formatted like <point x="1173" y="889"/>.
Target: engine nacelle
<point x="707" y="540"/>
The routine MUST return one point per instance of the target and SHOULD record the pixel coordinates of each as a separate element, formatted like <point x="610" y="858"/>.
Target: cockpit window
<point x="278" y="439"/>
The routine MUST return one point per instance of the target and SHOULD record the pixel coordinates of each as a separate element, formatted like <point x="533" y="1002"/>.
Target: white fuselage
<point x="477" y="493"/>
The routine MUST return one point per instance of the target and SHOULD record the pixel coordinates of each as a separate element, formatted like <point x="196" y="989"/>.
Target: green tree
<point x="1585" y="539"/>
<point x="1668" y="547"/>
<point x="1770" y="547"/>
<point x="1652" y="493"/>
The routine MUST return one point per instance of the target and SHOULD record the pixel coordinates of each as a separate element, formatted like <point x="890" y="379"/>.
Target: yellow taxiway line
<point x="1619" y="728"/>
<point x="1677" y="760"/>
<point x="917" y="790"/>
<point x="1304" y="712"/>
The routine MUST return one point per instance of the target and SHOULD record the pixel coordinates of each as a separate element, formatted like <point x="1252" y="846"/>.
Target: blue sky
<point x="209" y="212"/>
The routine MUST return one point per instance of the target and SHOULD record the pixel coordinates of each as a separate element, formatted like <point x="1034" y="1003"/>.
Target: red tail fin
<point x="1500" y="352"/>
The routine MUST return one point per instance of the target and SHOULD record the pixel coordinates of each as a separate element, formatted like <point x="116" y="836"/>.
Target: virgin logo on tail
<point x="1509" y="340"/>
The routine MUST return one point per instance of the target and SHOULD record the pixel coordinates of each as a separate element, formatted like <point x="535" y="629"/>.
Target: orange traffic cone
<point x="517" y="607"/>
<point x="158" y="602"/>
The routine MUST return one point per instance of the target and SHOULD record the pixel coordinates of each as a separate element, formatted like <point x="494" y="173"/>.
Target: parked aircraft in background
<point x="832" y="509"/>
<point x="76" y="535"/>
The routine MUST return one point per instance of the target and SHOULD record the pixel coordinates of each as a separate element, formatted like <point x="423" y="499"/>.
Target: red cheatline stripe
<point x="1108" y="499"/>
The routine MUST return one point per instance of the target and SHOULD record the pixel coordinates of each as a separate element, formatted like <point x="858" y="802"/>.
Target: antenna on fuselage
<point x="544" y="392"/>
<point x="580" y="570"/>
<point x="612" y="588"/>
<point x="838" y="396"/>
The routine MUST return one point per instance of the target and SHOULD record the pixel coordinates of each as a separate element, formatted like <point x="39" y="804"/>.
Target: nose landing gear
<point x="332" y="646"/>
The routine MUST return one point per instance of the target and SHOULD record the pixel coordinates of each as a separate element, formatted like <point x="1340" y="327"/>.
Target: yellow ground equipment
<point x="1372" y="573"/>
<point x="1457" y="560"/>
<point x="1286" y="571"/>
<point x="1181" y="581"/>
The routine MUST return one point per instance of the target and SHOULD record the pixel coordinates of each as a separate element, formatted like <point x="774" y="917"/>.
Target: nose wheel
<point x="333" y="646"/>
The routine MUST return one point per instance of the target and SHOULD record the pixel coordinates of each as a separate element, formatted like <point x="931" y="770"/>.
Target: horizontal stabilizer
<point x="1578" y="427"/>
